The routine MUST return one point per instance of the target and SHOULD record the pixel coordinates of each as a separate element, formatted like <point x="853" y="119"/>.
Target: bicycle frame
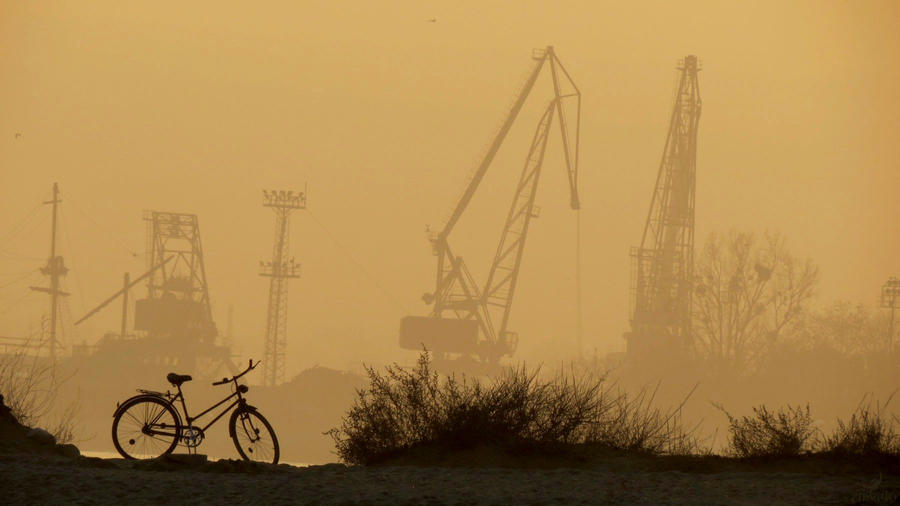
<point x="190" y="420"/>
<point x="171" y="399"/>
<point x="147" y="423"/>
<point x="239" y="390"/>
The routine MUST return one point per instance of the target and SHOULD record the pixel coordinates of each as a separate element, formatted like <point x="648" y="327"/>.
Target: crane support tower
<point x="177" y="303"/>
<point x="279" y="270"/>
<point x="469" y="323"/>
<point x="662" y="267"/>
<point x="173" y="324"/>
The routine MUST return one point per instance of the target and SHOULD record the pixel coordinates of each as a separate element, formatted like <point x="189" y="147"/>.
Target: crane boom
<point x="113" y="297"/>
<point x="504" y="273"/>
<point x="495" y="146"/>
<point x="473" y="310"/>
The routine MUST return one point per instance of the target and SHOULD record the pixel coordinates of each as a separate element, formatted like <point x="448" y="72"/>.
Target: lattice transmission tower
<point x="280" y="269"/>
<point x="662" y="267"/>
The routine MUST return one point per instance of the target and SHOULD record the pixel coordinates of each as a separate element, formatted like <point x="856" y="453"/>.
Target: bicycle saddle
<point x="178" y="379"/>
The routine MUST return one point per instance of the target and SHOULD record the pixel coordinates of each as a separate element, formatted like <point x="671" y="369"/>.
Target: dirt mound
<point x="303" y="409"/>
<point x="595" y="456"/>
<point x="17" y="438"/>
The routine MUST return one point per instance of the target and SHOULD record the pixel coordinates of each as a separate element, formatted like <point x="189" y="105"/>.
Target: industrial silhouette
<point x="757" y="300"/>
<point x="469" y="323"/>
<point x="280" y="269"/>
<point x="662" y="266"/>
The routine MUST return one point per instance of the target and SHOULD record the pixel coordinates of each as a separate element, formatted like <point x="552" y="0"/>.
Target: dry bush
<point x="63" y="425"/>
<point x="783" y="433"/>
<point x="402" y="409"/>
<point x="867" y="433"/>
<point x="634" y="423"/>
<point x="29" y="385"/>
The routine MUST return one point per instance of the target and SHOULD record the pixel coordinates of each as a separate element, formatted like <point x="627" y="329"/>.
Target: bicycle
<point x="149" y="425"/>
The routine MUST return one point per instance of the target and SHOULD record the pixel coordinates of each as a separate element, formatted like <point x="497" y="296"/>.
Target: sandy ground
<point x="36" y="479"/>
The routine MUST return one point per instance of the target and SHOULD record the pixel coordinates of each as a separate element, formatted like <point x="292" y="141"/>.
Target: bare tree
<point x="852" y="330"/>
<point x="746" y="293"/>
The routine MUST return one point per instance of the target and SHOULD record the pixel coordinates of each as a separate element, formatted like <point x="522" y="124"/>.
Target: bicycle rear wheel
<point x="146" y="428"/>
<point x="253" y="436"/>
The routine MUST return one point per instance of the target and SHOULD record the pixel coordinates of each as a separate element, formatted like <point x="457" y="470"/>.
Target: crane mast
<point x="663" y="264"/>
<point x="466" y="319"/>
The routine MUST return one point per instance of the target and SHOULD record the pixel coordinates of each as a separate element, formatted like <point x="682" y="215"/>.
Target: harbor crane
<point x="662" y="267"/>
<point x="469" y="323"/>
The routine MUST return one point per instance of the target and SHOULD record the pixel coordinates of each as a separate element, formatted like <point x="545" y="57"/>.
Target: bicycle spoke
<point x="254" y="438"/>
<point x="134" y="418"/>
<point x="135" y="430"/>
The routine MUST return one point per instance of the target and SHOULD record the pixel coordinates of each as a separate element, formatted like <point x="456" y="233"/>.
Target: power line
<point x="358" y="265"/>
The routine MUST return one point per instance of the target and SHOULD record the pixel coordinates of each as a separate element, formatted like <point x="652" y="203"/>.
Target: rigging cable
<point x="24" y="276"/>
<point x="21" y="223"/>
<point x="65" y="229"/>
<point x="109" y="234"/>
<point x="15" y="303"/>
<point x="17" y="232"/>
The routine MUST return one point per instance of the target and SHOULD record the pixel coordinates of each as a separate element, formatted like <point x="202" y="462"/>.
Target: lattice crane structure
<point x="173" y="323"/>
<point x="279" y="270"/>
<point x="662" y="267"/>
<point x="177" y="303"/>
<point x="469" y="323"/>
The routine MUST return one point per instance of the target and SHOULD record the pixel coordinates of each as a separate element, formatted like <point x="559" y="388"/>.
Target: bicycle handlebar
<point x="234" y="378"/>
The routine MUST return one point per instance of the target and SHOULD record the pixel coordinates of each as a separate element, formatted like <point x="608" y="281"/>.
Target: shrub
<point x="867" y="433"/>
<point x="29" y="385"/>
<point x="634" y="423"/>
<point x="402" y="409"/>
<point x="783" y="433"/>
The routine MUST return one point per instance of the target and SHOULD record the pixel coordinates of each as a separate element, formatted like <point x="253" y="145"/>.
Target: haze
<point x="198" y="107"/>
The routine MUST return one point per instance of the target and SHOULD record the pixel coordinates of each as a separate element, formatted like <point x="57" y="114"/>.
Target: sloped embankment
<point x="17" y="438"/>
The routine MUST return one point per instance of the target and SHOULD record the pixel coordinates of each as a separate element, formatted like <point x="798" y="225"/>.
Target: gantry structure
<point x="177" y="302"/>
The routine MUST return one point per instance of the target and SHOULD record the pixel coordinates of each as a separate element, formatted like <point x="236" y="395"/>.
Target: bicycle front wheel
<point x="253" y="436"/>
<point x="146" y="428"/>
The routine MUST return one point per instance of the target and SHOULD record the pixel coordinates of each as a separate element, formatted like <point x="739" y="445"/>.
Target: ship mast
<point x="55" y="268"/>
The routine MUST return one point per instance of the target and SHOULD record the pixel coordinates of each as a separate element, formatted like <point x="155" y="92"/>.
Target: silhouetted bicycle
<point x="149" y="425"/>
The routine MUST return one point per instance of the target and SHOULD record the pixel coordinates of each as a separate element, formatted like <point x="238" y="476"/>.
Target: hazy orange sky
<point x="196" y="107"/>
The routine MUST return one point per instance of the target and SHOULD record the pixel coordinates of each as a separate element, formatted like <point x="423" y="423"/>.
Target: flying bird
<point x="18" y="135"/>
<point x="432" y="20"/>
